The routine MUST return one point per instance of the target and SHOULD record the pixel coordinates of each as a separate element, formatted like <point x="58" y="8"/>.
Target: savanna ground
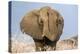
<point x="66" y="44"/>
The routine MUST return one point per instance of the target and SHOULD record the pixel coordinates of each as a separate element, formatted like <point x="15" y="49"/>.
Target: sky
<point x="69" y="13"/>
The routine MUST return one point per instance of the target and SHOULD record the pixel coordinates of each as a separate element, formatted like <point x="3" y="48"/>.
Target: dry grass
<point x="66" y="44"/>
<point x="21" y="47"/>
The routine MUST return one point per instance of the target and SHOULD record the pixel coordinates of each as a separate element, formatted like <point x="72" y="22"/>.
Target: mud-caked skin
<point x="44" y="25"/>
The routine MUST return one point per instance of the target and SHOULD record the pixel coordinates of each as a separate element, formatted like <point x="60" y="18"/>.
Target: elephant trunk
<point x="44" y="17"/>
<point x="49" y="23"/>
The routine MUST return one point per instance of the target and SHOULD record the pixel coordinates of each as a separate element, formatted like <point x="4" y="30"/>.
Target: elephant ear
<point x="60" y="24"/>
<point x="30" y="26"/>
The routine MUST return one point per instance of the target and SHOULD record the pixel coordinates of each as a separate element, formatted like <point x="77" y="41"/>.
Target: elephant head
<point x="44" y="25"/>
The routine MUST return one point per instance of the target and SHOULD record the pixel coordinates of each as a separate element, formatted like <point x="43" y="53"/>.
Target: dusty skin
<point x="44" y="25"/>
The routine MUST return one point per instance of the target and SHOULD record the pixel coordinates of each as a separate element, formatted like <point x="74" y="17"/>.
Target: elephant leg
<point x="53" y="46"/>
<point x="50" y="45"/>
<point x="39" y="45"/>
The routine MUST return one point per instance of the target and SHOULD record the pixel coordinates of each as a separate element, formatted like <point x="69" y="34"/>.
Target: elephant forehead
<point x="45" y="8"/>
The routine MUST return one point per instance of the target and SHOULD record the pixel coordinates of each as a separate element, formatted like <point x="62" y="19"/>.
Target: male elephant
<point x="45" y="26"/>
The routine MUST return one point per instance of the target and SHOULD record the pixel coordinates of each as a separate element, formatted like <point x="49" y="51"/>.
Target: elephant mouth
<point x="46" y="41"/>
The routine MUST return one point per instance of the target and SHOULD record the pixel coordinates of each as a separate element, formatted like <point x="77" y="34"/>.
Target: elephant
<point x="44" y="25"/>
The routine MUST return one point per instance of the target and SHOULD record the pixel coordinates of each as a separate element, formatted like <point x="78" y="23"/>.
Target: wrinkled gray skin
<point x="45" y="26"/>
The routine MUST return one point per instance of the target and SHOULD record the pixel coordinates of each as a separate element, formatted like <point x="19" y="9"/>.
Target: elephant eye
<point x="58" y="21"/>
